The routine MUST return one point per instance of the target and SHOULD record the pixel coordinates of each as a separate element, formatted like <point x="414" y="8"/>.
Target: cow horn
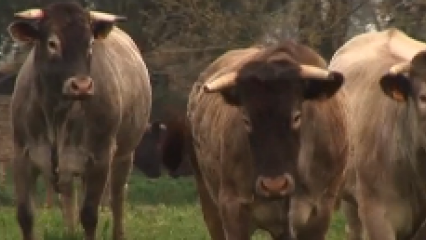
<point x="163" y="126"/>
<point x="307" y="71"/>
<point x="222" y="82"/>
<point x="34" y="13"/>
<point x="107" y="17"/>
<point x="400" y="68"/>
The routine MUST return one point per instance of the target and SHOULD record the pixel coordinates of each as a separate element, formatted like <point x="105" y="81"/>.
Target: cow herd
<point x="276" y="137"/>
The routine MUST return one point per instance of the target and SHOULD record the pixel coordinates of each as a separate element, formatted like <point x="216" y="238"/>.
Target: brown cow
<point x="81" y="103"/>
<point x="385" y="194"/>
<point x="268" y="138"/>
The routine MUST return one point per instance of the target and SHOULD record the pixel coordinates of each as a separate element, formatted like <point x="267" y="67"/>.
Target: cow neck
<point x="54" y="109"/>
<point x="54" y="106"/>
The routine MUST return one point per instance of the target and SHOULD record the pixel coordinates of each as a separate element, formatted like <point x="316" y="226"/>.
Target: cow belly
<point x="271" y="216"/>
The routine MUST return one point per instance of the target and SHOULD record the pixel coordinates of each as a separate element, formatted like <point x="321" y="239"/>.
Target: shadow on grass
<point x="162" y="191"/>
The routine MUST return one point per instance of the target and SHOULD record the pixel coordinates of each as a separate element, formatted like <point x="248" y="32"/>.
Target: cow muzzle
<point x="78" y="87"/>
<point x="278" y="186"/>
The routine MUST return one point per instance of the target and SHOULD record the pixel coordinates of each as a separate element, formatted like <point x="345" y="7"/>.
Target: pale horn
<point x="400" y="68"/>
<point x="107" y="17"/>
<point x="307" y="71"/>
<point x="34" y="13"/>
<point x="220" y="83"/>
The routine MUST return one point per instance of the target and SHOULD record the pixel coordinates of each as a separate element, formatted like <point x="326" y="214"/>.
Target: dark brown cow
<point x="268" y="142"/>
<point x="385" y="194"/>
<point x="148" y="154"/>
<point x="81" y="103"/>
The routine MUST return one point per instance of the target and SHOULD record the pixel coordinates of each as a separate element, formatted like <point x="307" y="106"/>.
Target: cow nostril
<point x="74" y="86"/>
<point x="81" y="85"/>
<point x="280" y="185"/>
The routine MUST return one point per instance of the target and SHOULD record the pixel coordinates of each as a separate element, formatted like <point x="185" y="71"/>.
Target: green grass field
<point x="163" y="209"/>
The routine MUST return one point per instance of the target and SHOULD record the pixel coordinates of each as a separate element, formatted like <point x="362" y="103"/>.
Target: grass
<point x="162" y="209"/>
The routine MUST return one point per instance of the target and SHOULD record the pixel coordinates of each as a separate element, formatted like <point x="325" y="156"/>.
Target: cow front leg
<point x="69" y="206"/>
<point x="106" y="197"/>
<point x="235" y="216"/>
<point x="25" y="177"/>
<point x="317" y="226"/>
<point x="94" y="181"/>
<point x="50" y="193"/>
<point x="353" y="226"/>
<point x="371" y="211"/>
<point x="120" y="171"/>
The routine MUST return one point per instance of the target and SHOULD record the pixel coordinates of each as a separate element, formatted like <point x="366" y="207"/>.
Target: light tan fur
<point x="384" y="191"/>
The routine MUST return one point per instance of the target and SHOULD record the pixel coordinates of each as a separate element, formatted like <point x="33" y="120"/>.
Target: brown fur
<point x="384" y="190"/>
<point x="224" y="167"/>
<point x="95" y="137"/>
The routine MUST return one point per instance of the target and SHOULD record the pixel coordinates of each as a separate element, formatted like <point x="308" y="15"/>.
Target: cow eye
<point x="51" y="44"/>
<point x="423" y="98"/>
<point x="296" y="120"/>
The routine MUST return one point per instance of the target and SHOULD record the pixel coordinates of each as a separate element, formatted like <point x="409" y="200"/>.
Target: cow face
<point x="407" y="80"/>
<point x="270" y="91"/>
<point x="64" y="34"/>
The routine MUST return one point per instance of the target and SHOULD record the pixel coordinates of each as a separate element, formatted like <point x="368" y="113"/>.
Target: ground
<point x="162" y="209"/>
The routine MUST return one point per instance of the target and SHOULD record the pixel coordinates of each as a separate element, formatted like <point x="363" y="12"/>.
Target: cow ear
<point x="101" y="29"/>
<point x="231" y="96"/>
<point x="319" y="89"/>
<point x="397" y="87"/>
<point x="23" y="32"/>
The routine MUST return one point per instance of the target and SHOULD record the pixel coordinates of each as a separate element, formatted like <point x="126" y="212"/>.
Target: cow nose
<point x="275" y="186"/>
<point x="79" y="86"/>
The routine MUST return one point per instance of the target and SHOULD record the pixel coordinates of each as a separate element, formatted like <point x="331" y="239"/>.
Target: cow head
<point x="63" y="35"/>
<point x="407" y="80"/>
<point x="269" y="91"/>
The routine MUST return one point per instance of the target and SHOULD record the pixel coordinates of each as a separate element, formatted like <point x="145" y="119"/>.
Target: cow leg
<point x="234" y="214"/>
<point x="49" y="193"/>
<point x="120" y="172"/>
<point x="25" y="177"/>
<point x="372" y="214"/>
<point x="285" y="235"/>
<point x="69" y="207"/>
<point x="317" y="227"/>
<point x="94" y="184"/>
<point x="353" y="223"/>
<point x="210" y="211"/>
<point x="106" y="197"/>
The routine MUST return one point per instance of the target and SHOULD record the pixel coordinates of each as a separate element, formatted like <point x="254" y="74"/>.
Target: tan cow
<point x="80" y="106"/>
<point x="385" y="193"/>
<point x="268" y="141"/>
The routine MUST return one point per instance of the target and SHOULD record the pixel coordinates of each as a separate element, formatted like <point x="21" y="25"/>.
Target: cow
<point x="148" y="154"/>
<point x="267" y="139"/>
<point x="81" y="103"/>
<point x="384" y="195"/>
